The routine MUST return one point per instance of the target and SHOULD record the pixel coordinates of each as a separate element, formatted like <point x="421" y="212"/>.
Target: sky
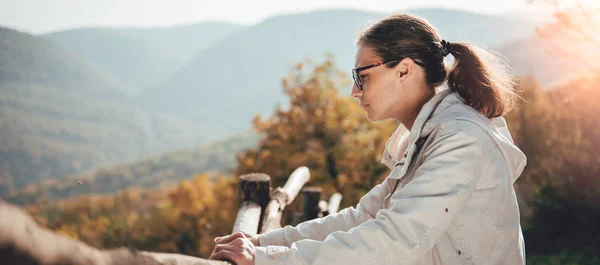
<point x="43" y="16"/>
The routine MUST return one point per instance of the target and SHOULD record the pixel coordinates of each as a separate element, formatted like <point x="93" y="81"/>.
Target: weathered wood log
<point x="281" y="197"/>
<point x="248" y="218"/>
<point x="254" y="196"/>
<point x="24" y="242"/>
<point x="310" y="202"/>
<point x="178" y="259"/>
<point x="295" y="183"/>
<point x="334" y="203"/>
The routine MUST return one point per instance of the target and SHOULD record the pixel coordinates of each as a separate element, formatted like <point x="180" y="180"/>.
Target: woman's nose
<point x="355" y="92"/>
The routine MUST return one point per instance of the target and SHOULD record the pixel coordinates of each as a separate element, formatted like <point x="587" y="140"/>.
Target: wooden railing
<point x="22" y="241"/>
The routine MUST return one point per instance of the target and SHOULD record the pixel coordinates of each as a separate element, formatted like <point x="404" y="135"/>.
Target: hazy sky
<point x="42" y="16"/>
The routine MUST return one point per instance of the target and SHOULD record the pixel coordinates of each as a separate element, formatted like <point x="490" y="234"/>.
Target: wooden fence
<point x="24" y="242"/>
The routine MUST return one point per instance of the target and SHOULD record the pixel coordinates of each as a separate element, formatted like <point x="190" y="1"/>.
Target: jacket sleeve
<point x="418" y="216"/>
<point x="318" y="229"/>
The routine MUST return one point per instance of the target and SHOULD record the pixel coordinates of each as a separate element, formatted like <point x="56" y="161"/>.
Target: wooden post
<point x="310" y="202"/>
<point x="254" y="195"/>
<point x="334" y="203"/>
<point x="295" y="182"/>
<point x="281" y="197"/>
<point x="323" y="206"/>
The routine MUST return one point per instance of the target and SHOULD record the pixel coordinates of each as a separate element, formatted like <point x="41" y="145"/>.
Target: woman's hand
<point x="237" y="247"/>
<point x="229" y="238"/>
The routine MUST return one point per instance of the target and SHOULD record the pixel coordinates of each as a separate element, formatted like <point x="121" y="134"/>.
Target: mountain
<point x="60" y="115"/>
<point x="26" y="58"/>
<point x="239" y="75"/>
<point x="486" y="30"/>
<point x="69" y="102"/>
<point x="551" y="61"/>
<point x="141" y="57"/>
<point x="152" y="172"/>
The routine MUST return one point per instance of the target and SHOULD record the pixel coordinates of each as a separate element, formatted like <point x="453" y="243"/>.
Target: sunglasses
<point x="356" y="71"/>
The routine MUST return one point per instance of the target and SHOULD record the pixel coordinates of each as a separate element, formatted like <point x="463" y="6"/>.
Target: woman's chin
<point x="371" y="117"/>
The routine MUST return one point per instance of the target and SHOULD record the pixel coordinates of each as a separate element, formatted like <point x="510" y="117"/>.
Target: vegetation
<point x="154" y="172"/>
<point x="559" y="188"/>
<point x="323" y="129"/>
<point x="184" y="219"/>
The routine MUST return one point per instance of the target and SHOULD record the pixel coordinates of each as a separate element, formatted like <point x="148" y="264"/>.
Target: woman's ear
<point x="404" y="67"/>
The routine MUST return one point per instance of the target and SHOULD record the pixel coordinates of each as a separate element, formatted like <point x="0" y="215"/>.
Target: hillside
<point x="151" y="172"/>
<point x="60" y="115"/>
<point x="141" y="57"/>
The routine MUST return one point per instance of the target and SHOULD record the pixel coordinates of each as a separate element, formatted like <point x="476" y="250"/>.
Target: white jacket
<point x="454" y="204"/>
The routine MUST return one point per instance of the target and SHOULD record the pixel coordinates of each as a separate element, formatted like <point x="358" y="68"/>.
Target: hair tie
<point x="445" y="48"/>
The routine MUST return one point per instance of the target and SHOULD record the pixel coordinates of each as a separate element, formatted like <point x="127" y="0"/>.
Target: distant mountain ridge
<point x="141" y="57"/>
<point x="80" y="99"/>
<point x="28" y="58"/>
<point x="239" y="75"/>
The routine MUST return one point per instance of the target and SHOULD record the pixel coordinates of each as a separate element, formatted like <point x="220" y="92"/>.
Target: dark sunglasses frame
<point x="356" y="71"/>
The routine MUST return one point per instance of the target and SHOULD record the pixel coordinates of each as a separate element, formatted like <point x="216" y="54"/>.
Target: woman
<point x="449" y="198"/>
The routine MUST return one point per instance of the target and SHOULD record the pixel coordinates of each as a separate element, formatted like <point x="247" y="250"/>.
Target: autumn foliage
<point x="324" y="129"/>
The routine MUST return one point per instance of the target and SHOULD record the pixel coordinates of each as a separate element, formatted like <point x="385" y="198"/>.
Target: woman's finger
<point x="221" y="247"/>
<point x="239" y="241"/>
<point x="226" y="255"/>
<point x="229" y="238"/>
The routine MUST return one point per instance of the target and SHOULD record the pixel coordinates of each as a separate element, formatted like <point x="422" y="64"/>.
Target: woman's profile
<point x="449" y="197"/>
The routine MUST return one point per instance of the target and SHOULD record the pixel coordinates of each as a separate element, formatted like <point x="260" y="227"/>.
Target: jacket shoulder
<point x="466" y="127"/>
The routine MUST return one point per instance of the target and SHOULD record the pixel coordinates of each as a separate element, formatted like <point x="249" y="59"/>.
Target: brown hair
<point x="479" y="77"/>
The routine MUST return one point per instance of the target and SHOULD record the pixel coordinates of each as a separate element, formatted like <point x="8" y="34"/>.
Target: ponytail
<point x="482" y="79"/>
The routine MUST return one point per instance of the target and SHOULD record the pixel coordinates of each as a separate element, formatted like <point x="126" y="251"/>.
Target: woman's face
<point x="397" y="92"/>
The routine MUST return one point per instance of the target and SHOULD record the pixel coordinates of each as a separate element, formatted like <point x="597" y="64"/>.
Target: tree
<point x="323" y="130"/>
<point x="547" y="136"/>
<point x="557" y="129"/>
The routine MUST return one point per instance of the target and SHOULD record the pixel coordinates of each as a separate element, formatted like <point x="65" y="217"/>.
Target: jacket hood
<point x="444" y="106"/>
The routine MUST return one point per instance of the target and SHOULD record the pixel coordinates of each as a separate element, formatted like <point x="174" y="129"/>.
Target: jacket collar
<point x="403" y="142"/>
<point x="419" y="126"/>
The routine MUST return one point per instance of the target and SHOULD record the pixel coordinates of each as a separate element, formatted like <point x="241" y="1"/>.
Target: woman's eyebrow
<point x="366" y="71"/>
